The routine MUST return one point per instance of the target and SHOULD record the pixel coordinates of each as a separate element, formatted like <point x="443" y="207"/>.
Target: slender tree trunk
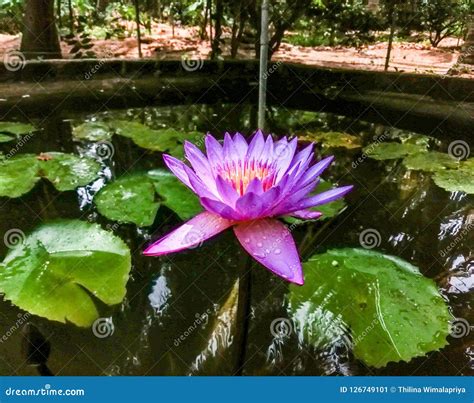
<point x="467" y="56"/>
<point x="203" y="33"/>
<point x="71" y="17"/>
<point x="390" y="38"/>
<point x="216" y="42"/>
<point x="40" y="36"/>
<point x="137" y="20"/>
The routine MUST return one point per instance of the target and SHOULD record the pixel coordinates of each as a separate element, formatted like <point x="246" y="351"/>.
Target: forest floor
<point x="164" y="44"/>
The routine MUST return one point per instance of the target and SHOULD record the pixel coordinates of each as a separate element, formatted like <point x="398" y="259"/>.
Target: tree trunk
<point x="216" y="49"/>
<point x="467" y="56"/>
<point x="40" y="36"/>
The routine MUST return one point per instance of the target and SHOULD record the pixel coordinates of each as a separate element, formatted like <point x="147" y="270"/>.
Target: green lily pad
<point x="18" y="175"/>
<point x="130" y="199"/>
<point x="328" y="210"/>
<point x="391" y="311"/>
<point x="162" y="140"/>
<point x="457" y="180"/>
<point x="93" y="131"/>
<point x="333" y="139"/>
<point x="61" y="267"/>
<point x="431" y="161"/>
<point x="5" y="138"/>
<point x="16" y="128"/>
<point x="175" y="195"/>
<point x="392" y="150"/>
<point x="68" y="171"/>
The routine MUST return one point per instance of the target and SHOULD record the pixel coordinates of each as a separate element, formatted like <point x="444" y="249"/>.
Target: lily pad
<point x="162" y="140"/>
<point x="328" y="210"/>
<point x="19" y="174"/>
<point x="60" y="269"/>
<point x="334" y="139"/>
<point x="5" y="138"/>
<point x="93" y="131"/>
<point x="130" y="199"/>
<point x="68" y="171"/>
<point x="431" y="161"/>
<point x="392" y="312"/>
<point x="16" y="128"/>
<point x="457" y="180"/>
<point x="392" y="150"/>
<point x="175" y="195"/>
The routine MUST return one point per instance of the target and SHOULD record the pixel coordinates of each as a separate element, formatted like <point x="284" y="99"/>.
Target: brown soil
<point x="185" y="43"/>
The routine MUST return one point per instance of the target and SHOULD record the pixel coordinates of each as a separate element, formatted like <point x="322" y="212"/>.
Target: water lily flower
<point x="247" y="186"/>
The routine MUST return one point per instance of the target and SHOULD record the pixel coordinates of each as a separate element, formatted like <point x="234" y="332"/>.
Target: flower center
<point x="239" y="174"/>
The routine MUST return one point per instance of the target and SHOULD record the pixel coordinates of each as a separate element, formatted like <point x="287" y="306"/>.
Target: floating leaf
<point x="169" y="140"/>
<point x="93" y="131"/>
<point x="68" y="171"/>
<point x="18" y="175"/>
<point x="392" y="311"/>
<point x="58" y="268"/>
<point x="4" y="138"/>
<point x="130" y="199"/>
<point x="333" y="139"/>
<point x="431" y="161"/>
<point x="387" y="151"/>
<point x="16" y="128"/>
<point x="457" y="180"/>
<point x="328" y="210"/>
<point x="175" y="195"/>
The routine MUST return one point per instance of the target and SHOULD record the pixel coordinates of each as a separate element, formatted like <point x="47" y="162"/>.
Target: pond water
<point x="181" y="314"/>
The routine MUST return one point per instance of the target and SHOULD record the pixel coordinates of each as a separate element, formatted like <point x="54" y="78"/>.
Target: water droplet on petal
<point x="247" y="240"/>
<point x="259" y="244"/>
<point x="277" y="251"/>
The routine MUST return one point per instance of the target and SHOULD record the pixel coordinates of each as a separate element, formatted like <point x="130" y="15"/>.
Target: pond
<point x="188" y="313"/>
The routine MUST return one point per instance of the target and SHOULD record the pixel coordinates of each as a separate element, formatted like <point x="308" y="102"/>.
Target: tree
<point x="40" y="37"/>
<point x="441" y="18"/>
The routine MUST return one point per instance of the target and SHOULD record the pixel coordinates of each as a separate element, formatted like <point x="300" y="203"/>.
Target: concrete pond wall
<point x="431" y="104"/>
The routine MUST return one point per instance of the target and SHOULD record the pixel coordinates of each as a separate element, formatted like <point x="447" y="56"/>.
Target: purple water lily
<point x="247" y="186"/>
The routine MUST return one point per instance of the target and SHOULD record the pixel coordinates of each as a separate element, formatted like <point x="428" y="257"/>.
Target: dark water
<point x="181" y="314"/>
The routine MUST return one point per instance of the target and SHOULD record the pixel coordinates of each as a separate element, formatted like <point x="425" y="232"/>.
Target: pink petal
<point x="190" y="234"/>
<point x="270" y="243"/>
<point x="306" y="214"/>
